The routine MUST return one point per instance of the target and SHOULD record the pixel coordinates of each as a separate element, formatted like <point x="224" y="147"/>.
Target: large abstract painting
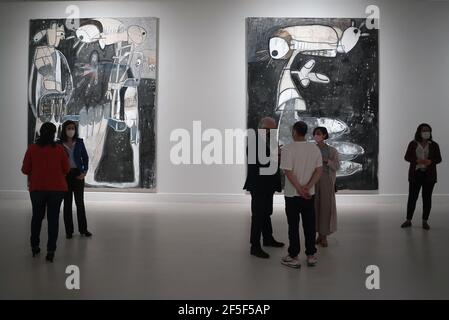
<point x="322" y="71"/>
<point x="101" y="73"/>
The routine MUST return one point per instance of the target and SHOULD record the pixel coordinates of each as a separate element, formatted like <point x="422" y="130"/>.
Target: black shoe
<point x="425" y="225"/>
<point x="86" y="234"/>
<point x="273" y="243"/>
<point x="406" y="224"/>
<point x="50" y="256"/>
<point x="69" y="236"/>
<point x="35" y="251"/>
<point x="258" y="252"/>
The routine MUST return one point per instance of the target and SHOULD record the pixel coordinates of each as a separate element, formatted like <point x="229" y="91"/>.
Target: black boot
<point x="258" y="252"/>
<point x="50" y="256"/>
<point x="406" y="224"/>
<point x="273" y="243"/>
<point x="35" y="251"/>
<point x="86" y="234"/>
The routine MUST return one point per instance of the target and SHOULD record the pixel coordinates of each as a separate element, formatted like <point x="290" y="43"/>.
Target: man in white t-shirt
<point x="302" y="165"/>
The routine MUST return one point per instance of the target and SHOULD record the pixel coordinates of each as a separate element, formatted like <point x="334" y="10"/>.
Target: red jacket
<point x="46" y="168"/>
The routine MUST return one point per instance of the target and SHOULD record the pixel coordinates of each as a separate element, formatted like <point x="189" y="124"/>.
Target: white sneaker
<point x="291" y="262"/>
<point x="311" y="261"/>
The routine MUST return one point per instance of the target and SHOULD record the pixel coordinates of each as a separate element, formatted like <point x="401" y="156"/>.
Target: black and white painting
<point x="101" y="73"/>
<point x="323" y="71"/>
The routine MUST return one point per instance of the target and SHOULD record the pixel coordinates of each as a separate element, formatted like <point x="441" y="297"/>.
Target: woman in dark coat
<point x="423" y="154"/>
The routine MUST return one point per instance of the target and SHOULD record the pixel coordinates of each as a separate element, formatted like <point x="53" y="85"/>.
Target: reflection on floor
<point x="201" y="251"/>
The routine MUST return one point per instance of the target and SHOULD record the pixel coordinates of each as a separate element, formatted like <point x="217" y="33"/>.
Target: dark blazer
<point x="434" y="156"/>
<point x="80" y="155"/>
<point x="262" y="183"/>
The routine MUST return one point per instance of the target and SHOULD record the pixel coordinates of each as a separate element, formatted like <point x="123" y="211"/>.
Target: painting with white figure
<point x="100" y="73"/>
<point x="323" y="71"/>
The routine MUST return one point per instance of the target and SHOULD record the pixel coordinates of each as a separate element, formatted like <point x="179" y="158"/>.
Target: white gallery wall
<point x="202" y="76"/>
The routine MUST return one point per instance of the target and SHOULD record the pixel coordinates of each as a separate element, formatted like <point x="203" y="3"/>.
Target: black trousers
<point x="294" y="208"/>
<point x="415" y="186"/>
<point x="75" y="189"/>
<point x="50" y="202"/>
<point x="261" y="210"/>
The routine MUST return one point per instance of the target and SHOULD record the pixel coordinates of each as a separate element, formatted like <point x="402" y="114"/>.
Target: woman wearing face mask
<point x="423" y="154"/>
<point x="79" y="164"/>
<point x="46" y="165"/>
<point x="325" y="206"/>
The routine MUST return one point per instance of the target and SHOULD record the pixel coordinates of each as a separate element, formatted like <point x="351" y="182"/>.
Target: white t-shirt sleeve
<point x="319" y="158"/>
<point x="286" y="160"/>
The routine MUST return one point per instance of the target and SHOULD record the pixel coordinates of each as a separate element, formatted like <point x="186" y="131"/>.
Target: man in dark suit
<point x="262" y="187"/>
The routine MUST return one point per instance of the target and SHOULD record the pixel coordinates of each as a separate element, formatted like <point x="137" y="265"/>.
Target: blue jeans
<point x="50" y="202"/>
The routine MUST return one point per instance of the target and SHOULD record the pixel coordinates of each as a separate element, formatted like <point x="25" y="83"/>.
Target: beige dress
<point x="325" y="206"/>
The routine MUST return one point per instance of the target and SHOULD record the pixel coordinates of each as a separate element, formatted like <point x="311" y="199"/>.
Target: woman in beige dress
<point x="325" y="207"/>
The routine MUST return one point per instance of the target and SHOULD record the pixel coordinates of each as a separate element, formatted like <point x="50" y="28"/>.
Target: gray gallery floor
<point x="200" y="251"/>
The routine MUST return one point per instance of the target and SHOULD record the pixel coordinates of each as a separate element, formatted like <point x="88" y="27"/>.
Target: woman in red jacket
<point x="423" y="154"/>
<point x="46" y="165"/>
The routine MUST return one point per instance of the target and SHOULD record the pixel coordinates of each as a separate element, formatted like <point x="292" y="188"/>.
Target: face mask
<point x="318" y="139"/>
<point x="70" y="133"/>
<point x="425" y="135"/>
